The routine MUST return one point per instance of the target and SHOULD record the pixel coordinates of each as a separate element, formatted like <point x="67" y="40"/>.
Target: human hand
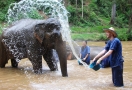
<point x="93" y="60"/>
<point x="84" y="59"/>
<point x="98" y="61"/>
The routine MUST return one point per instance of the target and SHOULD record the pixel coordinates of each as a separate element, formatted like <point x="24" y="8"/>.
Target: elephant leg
<point x="50" y="60"/>
<point x="36" y="61"/>
<point x="3" y="54"/>
<point x="2" y="66"/>
<point x="14" y="63"/>
<point x="61" y="50"/>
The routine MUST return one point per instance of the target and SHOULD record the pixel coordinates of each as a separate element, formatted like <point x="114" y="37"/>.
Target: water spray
<point x="51" y="8"/>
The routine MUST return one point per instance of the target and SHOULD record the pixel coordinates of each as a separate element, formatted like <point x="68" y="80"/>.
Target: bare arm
<point x="104" y="56"/>
<point x="85" y="57"/>
<point x="99" y="55"/>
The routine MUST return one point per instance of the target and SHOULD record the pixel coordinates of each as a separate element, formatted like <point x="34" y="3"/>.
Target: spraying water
<point x="51" y="8"/>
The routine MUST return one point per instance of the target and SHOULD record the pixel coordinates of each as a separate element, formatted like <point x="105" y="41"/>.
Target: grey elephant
<point x="32" y="39"/>
<point x="94" y="50"/>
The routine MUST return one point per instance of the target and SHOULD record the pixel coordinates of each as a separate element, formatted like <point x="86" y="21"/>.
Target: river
<point x="79" y="77"/>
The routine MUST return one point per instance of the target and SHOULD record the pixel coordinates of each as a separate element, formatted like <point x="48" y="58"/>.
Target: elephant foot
<point x="53" y="69"/>
<point x="38" y="71"/>
<point x="66" y="75"/>
<point x="2" y="66"/>
<point x="14" y="63"/>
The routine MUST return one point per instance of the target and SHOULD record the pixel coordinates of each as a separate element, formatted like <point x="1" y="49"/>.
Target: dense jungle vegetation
<point x="88" y="18"/>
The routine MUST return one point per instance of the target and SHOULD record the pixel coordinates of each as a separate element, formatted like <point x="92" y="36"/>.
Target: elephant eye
<point x="50" y="29"/>
<point x="57" y="28"/>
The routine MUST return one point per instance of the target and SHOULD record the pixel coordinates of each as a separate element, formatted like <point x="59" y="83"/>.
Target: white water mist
<point x="51" y="8"/>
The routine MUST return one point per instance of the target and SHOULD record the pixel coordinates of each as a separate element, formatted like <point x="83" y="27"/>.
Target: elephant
<point x="32" y="39"/>
<point x="94" y="50"/>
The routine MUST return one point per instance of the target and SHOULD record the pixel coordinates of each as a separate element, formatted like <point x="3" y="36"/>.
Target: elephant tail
<point x="3" y="54"/>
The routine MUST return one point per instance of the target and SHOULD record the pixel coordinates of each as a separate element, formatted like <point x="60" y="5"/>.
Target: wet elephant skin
<point x="32" y="39"/>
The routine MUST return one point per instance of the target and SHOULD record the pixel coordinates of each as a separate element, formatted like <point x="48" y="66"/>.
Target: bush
<point x="0" y="29"/>
<point x="122" y="35"/>
<point x="2" y="16"/>
<point x="102" y="37"/>
<point x="4" y="4"/>
<point x="34" y="14"/>
<point x="89" y="17"/>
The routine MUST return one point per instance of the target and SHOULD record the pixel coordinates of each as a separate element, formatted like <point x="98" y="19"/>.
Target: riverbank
<point x="89" y="33"/>
<point x="96" y="33"/>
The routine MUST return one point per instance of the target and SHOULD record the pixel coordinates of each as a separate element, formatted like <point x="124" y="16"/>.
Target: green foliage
<point x="102" y="37"/>
<point x="96" y="9"/>
<point x="4" y="4"/>
<point x="89" y="17"/>
<point x="89" y="36"/>
<point x="121" y="21"/>
<point x="129" y="36"/>
<point x="0" y="29"/>
<point x="2" y="16"/>
<point x="96" y="33"/>
<point x="96" y="17"/>
<point x="73" y="2"/>
<point x="95" y="29"/>
<point x="122" y="35"/>
<point x="34" y="14"/>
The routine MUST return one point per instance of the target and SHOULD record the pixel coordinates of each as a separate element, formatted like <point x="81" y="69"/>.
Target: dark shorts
<point x="117" y="76"/>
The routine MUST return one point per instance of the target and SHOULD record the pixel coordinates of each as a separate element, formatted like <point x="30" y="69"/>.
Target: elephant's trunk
<point x="61" y="50"/>
<point x="56" y="33"/>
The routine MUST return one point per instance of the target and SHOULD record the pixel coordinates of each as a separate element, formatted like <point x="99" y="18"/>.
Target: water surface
<point x="80" y="77"/>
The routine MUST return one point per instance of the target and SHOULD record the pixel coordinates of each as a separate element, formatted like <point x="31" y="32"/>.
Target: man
<point x="113" y="49"/>
<point x="85" y="53"/>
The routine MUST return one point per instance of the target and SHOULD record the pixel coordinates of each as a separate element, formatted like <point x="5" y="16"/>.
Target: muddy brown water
<point x="80" y="77"/>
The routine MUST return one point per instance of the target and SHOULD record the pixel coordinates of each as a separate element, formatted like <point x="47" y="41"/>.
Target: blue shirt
<point x="116" y="56"/>
<point x="85" y="51"/>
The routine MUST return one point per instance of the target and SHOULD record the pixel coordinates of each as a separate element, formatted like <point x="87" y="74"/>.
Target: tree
<point x="129" y="32"/>
<point x="76" y="4"/>
<point x="82" y="8"/>
<point x="113" y="13"/>
<point x="66" y="3"/>
<point x="98" y="2"/>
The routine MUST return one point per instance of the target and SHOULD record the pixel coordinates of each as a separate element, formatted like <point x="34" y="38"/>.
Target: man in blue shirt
<point x="113" y="50"/>
<point x="85" y="53"/>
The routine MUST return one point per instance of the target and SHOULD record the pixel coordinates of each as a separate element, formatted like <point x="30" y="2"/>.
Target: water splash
<point x="51" y="8"/>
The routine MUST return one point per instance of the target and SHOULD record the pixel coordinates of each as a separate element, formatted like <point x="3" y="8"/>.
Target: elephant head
<point x="49" y="36"/>
<point x="48" y="33"/>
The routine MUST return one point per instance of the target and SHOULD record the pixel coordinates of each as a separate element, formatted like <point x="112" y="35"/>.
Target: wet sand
<point x="79" y="77"/>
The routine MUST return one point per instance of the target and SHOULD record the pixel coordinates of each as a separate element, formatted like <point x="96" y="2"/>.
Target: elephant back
<point x="20" y="26"/>
<point x="94" y="50"/>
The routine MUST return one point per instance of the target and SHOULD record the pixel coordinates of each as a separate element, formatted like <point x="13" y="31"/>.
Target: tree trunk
<point x="113" y="14"/>
<point x="129" y="32"/>
<point x="66" y="3"/>
<point x="130" y="23"/>
<point x="76" y="4"/>
<point x="82" y="8"/>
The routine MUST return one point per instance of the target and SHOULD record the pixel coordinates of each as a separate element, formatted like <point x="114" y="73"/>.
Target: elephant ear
<point x="39" y="32"/>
